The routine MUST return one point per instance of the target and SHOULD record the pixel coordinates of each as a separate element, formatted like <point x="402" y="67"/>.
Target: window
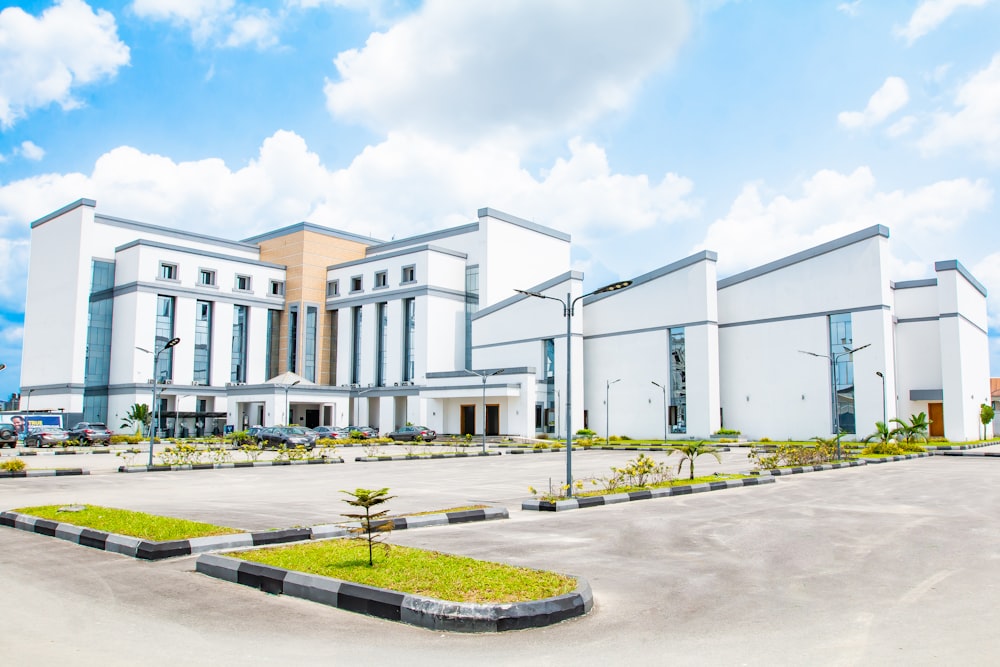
<point x="356" y="345"/>
<point x="333" y="288"/>
<point x="678" y="381"/>
<point x="238" y="365"/>
<point x="273" y="340"/>
<point x="334" y="316"/>
<point x="409" y="325"/>
<point x="356" y="284"/>
<point x="168" y="271"/>
<point x="309" y="353"/>
<point x="277" y="288"/>
<point x="381" y="327"/>
<point x="164" y="333"/>
<point x="381" y="278"/>
<point x="202" y="342"/>
<point x="471" y="307"/>
<point x="206" y="277"/>
<point x="293" y="338"/>
<point x="243" y="283"/>
<point x="98" y="359"/>
<point x="409" y="274"/>
<point x="841" y="339"/>
<point x="548" y="411"/>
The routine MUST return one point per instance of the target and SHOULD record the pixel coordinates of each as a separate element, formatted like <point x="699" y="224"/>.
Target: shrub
<point x="727" y="431"/>
<point x="13" y="465"/>
<point x="367" y="499"/>
<point x="883" y="449"/>
<point x="614" y="438"/>
<point x="119" y="439"/>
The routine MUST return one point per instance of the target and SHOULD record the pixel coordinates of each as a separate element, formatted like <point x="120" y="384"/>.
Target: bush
<point x="883" y="449"/>
<point x="727" y="431"/>
<point x="125" y="439"/>
<point x="13" y="465"/>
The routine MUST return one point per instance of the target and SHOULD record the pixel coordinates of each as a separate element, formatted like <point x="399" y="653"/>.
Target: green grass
<point x="674" y="482"/>
<point x="408" y="570"/>
<point x="126" y="522"/>
<point x="463" y="508"/>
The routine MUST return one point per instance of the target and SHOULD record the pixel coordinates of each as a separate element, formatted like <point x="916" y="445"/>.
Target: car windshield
<point x="294" y="430"/>
<point x="99" y="427"/>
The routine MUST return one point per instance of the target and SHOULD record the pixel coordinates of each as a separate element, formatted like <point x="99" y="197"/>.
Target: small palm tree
<point x="137" y="416"/>
<point x="882" y="434"/>
<point x="692" y="451"/>
<point x="915" y="431"/>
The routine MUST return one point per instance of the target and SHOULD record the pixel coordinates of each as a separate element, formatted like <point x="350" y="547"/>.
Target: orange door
<point x="935" y="413"/>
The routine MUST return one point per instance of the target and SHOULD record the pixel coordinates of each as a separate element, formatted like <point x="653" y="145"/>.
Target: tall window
<point x="334" y="330"/>
<point x="381" y="325"/>
<point x="549" y="353"/>
<point x="293" y="339"/>
<point x="273" y="341"/>
<point x="202" y="342"/>
<point x="238" y="367"/>
<point x="409" y="331"/>
<point x="678" y="381"/>
<point x="164" y="332"/>
<point x="356" y="345"/>
<point x="309" y="353"/>
<point x="842" y="338"/>
<point x="471" y="306"/>
<point x="98" y="359"/>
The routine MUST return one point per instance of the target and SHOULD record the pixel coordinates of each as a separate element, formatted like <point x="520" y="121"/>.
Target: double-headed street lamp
<point x="885" y="410"/>
<point x="663" y="388"/>
<point x="484" y="375"/>
<point x="834" y="358"/>
<point x="607" y="409"/>
<point x="156" y="360"/>
<point x="569" y="306"/>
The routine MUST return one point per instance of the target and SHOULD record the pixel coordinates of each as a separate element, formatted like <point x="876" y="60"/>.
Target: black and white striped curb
<point x="402" y="607"/>
<point x="798" y="470"/>
<point x="966" y="453"/>
<point x="226" y="466"/>
<point x="62" y="452"/>
<point x="55" y="472"/>
<point x="614" y="498"/>
<point x="527" y="449"/>
<point x="423" y="457"/>
<point x="151" y="550"/>
<point x="901" y="457"/>
<point x="947" y="448"/>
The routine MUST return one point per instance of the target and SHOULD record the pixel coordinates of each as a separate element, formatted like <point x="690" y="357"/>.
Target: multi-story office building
<point x="311" y="325"/>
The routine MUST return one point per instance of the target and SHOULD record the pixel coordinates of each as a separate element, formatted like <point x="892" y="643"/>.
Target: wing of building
<point x="317" y="326"/>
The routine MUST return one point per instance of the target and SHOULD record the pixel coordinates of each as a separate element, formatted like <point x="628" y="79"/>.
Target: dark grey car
<point x="289" y="436"/>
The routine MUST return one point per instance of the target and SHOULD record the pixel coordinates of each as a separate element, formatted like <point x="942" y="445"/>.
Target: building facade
<point x="311" y="325"/>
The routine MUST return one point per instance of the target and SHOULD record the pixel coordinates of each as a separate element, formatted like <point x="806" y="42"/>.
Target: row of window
<point x="209" y="278"/>
<point x="407" y="275"/>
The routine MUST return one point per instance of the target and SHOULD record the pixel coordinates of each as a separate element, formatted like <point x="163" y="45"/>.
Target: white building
<point x="311" y="325"/>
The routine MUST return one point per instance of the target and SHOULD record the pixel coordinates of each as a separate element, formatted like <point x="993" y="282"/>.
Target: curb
<point x="62" y="452"/>
<point x="952" y="448"/>
<point x="614" y="498"/>
<point x="226" y="466"/>
<point x="966" y="453"/>
<point x="515" y="449"/>
<point x="57" y="472"/>
<point x="151" y="550"/>
<point x="422" y="457"/>
<point x="777" y="472"/>
<point x="401" y="607"/>
<point x="901" y="457"/>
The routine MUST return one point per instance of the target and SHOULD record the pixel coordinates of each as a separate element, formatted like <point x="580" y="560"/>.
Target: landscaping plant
<point x="986" y="414"/>
<point x="367" y="499"/>
<point x="137" y="416"/>
<point x="689" y="452"/>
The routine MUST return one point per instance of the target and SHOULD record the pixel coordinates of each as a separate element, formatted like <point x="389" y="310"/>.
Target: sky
<point x="647" y="129"/>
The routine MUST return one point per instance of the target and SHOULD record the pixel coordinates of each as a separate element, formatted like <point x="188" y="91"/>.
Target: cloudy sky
<point x="648" y="129"/>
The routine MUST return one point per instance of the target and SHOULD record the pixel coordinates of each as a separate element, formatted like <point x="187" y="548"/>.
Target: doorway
<point x="312" y="418"/>
<point x="935" y="413"/>
<point x="468" y="419"/>
<point x="493" y="419"/>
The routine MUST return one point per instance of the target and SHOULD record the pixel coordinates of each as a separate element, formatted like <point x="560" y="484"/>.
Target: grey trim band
<point x="65" y="209"/>
<point x="169" y="231"/>
<point x="831" y="246"/>
<point x="421" y="238"/>
<point x="927" y="394"/>
<point x="462" y="374"/>
<point x="311" y="227"/>
<point x="210" y="294"/>
<point x="52" y="388"/>
<point x="339" y="302"/>
<point x="697" y="258"/>
<point x="521" y="341"/>
<point x="521" y="222"/>
<point x="200" y="253"/>
<point x="804" y="316"/>
<point x="955" y="265"/>
<point x="398" y="253"/>
<point x="630" y="332"/>
<point x="967" y="320"/>
<point x="914" y="320"/>
<point x="909" y="284"/>
<point x="430" y="390"/>
<point x="511" y="300"/>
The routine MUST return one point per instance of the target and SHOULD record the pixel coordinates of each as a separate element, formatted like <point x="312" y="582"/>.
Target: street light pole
<point x="156" y="359"/>
<point x="484" y="375"/>
<point x="288" y="421"/>
<point x="834" y="358"/>
<point x="885" y="409"/>
<point x="663" y="388"/>
<point x="569" y="306"/>
<point x="607" y="409"/>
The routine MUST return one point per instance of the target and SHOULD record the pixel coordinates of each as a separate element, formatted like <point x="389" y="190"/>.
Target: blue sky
<point x="646" y="129"/>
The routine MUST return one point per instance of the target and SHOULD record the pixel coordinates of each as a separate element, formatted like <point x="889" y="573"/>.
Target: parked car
<point x="411" y="433"/>
<point x="87" y="433"/>
<point x="331" y="432"/>
<point x="365" y="431"/>
<point x="289" y="436"/>
<point x="253" y="431"/>
<point x="45" y="436"/>
<point x="8" y="435"/>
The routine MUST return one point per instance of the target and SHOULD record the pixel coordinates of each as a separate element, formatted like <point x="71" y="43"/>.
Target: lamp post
<point x="357" y="404"/>
<point x="287" y="416"/>
<point x="177" y="410"/>
<point x="28" y="402"/>
<point x="484" y="375"/>
<point x="569" y="306"/>
<point x="607" y="409"/>
<point x="885" y="409"/>
<point x="834" y="358"/>
<point x="663" y="388"/>
<point x="156" y="359"/>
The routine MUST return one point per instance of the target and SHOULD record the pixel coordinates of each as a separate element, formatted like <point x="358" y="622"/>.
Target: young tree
<point x="986" y="414"/>
<point x="882" y="434"/>
<point x="915" y="430"/>
<point x="371" y="522"/>
<point x="137" y="416"/>
<point x="692" y="451"/>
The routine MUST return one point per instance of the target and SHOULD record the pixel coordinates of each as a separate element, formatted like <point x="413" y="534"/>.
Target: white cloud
<point x="850" y="8"/>
<point x="892" y="96"/>
<point x="515" y="69"/>
<point x="13" y="273"/>
<point x="987" y="271"/>
<point x="902" y="126"/>
<point x="31" y="151"/>
<point x="43" y="59"/>
<point x="219" y="22"/>
<point x="831" y="205"/>
<point x="976" y="124"/>
<point x="930" y="14"/>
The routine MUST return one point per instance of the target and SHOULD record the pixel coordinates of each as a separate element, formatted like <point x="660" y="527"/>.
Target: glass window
<point x="381" y="279"/>
<point x="841" y="339"/>
<point x="409" y="274"/>
<point x="238" y="365"/>
<point x="356" y="345"/>
<point x="277" y="288"/>
<point x="409" y="331"/>
<point x="100" y="315"/>
<point x="333" y="288"/>
<point x="168" y="271"/>
<point x="206" y="277"/>
<point x="243" y="283"/>
<point x="381" y="326"/>
<point x="356" y="284"/>
<point x="202" y="342"/>
<point x="273" y="340"/>
<point x="293" y="338"/>
<point x="309" y="357"/>
<point x="334" y="316"/>
<point x="678" y="381"/>
<point x="471" y="307"/>
<point x="164" y="333"/>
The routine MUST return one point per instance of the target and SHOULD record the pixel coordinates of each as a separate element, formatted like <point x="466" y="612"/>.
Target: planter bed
<point x="423" y="457"/>
<point x="226" y="466"/>
<point x="662" y="492"/>
<point x="797" y="470"/>
<point x="55" y="472"/>
<point x="392" y="605"/>
<point x="523" y="449"/>
<point x="152" y="550"/>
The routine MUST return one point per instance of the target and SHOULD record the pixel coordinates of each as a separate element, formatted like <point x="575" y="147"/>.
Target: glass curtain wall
<point x="381" y="326"/>
<point x="550" y="385"/>
<point x="471" y="307"/>
<point x="238" y="366"/>
<point x="678" y="381"/>
<point x="164" y="333"/>
<point x="842" y="338"/>
<point x="202" y="342"/>
<point x="293" y="339"/>
<point x="356" y="345"/>
<point x="309" y="353"/>
<point x="273" y="342"/>
<point x="409" y="330"/>
<point x="98" y="360"/>
<point x="334" y="327"/>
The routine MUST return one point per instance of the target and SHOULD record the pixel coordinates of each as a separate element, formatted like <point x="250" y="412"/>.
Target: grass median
<point x="126" y="522"/>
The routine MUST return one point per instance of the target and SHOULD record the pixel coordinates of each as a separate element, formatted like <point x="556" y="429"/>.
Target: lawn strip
<point x="126" y="522"/>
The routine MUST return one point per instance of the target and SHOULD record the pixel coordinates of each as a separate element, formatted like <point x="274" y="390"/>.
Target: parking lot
<point x="884" y="564"/>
